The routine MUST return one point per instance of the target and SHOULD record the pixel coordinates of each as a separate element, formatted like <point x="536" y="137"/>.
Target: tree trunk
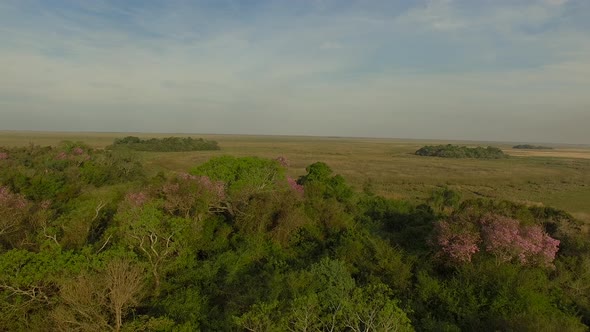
<point x="156" y="280"/>
<point x="118" y="319"/>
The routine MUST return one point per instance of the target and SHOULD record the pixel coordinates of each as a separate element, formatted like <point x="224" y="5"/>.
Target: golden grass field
<point x="558" y="177"/>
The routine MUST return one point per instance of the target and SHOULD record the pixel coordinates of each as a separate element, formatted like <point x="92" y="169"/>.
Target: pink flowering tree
<point x="73" y="152"/>
<point x="137" y="199"/>
<point x="3" y="155"/>
<point x="458" y="241"/>
<point x="16" y="220"/>
<point x="14" y="209"/>
<point x="504" y="238"/>
<point x="508" y="240"/>
<point x="192" y="195"/>
<point x="501" y="235"/>
<point x="295" y="186"/>
<point x="77" y="151"/>
<point x="24" y="224"/>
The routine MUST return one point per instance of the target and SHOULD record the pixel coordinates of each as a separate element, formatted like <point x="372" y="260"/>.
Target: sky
<point x="497" y="70"/>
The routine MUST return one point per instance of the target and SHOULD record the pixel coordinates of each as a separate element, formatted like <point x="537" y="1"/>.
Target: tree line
<point x="456" y="151"/>
<point x="167" y="144"/>
<point x="532" y="147"/>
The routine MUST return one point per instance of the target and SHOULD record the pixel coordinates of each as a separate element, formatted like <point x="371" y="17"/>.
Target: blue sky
<point x="480" y="70"/>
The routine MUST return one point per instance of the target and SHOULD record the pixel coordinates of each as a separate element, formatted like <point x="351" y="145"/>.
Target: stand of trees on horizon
<point x="532" y="147"/>
<point x="90" y="242"/>
<point x="456" y="151"/>
<point x="168" y="144"/>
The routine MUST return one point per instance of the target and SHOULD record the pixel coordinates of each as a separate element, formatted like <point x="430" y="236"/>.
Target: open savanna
<point x="559" y="177"/>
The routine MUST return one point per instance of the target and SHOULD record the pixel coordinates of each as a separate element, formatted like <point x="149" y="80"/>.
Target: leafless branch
<point x="105" y="244"/>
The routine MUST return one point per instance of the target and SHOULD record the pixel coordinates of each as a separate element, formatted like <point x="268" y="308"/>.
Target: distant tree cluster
<point x="168" y="144"/>
<point x="456" y="151"/>
<point x="532" y="147"/>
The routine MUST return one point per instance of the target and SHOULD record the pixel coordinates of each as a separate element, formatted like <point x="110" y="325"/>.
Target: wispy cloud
<point x="556" y="2"/>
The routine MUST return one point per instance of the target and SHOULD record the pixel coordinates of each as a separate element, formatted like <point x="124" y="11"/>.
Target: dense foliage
<point x="455" y="151"/>
<point x="89" y="243"/>
<point x="168" y="144"/>
<point x="532" y="147"/>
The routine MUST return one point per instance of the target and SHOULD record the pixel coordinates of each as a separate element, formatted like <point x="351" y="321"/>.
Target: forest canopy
<point x="167" y="144"/>
<point x="456" y="151"/>
<point x="90" y="242"/>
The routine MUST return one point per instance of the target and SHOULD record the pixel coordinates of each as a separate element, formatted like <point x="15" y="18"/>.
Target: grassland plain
<point x="558" y="177"/>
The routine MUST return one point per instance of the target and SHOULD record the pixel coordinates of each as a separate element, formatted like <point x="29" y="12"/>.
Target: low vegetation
<point x="456" y="151"/>
<point x="90" y="242"/>
<point x="168" y="144"/>
<point x="532" y="147"/>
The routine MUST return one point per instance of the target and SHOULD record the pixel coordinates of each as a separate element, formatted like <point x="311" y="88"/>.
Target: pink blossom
<point x="204" y="181"/>
<point x="137" y="199"/>
<point x="550" y="248"/>
<point x="13" y="210"/>
<point x="3" y="155"/>
<point x="500" y="235"/>
<point x="61" y="156"/>
<point x="215" y="187"/>
<point x="503" y="237"/>
<point x="188" y="192"/>
<point x="457" y="242"/>
<point x="4" y="194"/>
<point x="537" y="246"/>
<point x="186" y="176"/>
<point x="77" y="151"/>
<point x="171" y="188"/>
<point x="506" y="239"/>
<point x="295" y="186"/>
<point x="20" y="202"/>
<point x="10" y="200"/>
